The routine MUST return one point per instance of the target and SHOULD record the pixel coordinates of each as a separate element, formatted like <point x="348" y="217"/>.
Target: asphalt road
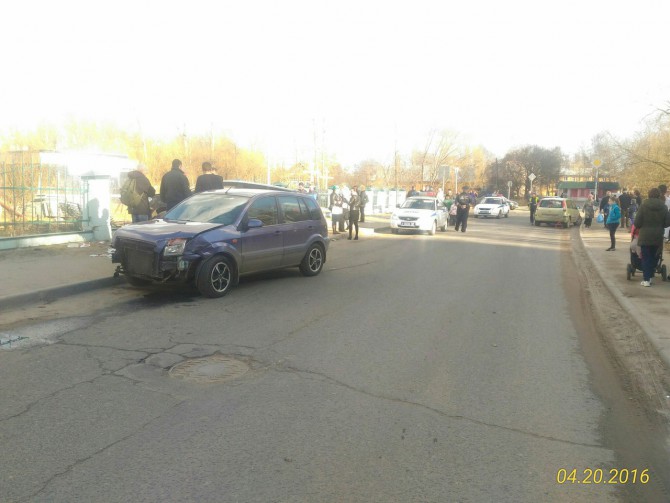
<point x="414" y="368"/>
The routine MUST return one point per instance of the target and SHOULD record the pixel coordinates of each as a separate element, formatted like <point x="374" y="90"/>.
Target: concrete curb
<point x="51" y="294"/>
<point x="652" y="336"/>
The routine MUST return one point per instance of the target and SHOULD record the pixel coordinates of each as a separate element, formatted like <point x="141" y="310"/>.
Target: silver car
<point x="212" y="238"/>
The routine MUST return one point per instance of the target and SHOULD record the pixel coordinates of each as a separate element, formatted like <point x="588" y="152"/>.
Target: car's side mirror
<point x="254" y="223"/>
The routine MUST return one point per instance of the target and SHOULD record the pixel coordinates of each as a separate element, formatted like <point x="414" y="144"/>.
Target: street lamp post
<point x="596" y="164"/>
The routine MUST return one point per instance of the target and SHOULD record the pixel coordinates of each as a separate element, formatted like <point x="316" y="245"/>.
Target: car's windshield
<point x="492" y="200"/>
<point x="419" y="204"/>
<point x="551" y="203"/>
<point x="215" y="208"/>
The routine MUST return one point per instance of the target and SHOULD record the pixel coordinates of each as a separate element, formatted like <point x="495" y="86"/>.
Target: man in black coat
<point x="624" y="204"/>
<point x="209" y="180"/>
<point x="462" y="211"/>
<point x="174" y="186"/>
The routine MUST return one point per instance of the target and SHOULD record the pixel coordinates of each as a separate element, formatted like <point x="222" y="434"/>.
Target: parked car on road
<point x="557" y="211"/>
<point x="492" y="207"/>
<point x="420" y="213"/>
<point x="212" y="238"/>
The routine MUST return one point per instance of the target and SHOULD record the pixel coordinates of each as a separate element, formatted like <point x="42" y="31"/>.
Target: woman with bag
<point x="589" y="211"/>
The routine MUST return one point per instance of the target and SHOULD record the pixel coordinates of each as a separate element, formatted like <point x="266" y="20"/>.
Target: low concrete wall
<point x="45" y="239"/>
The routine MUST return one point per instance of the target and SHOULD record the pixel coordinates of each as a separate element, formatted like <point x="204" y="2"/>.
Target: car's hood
<point x="159" y="230"/>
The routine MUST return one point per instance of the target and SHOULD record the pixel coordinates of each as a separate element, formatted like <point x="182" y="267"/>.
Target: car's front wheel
<point x="433" y="228"/>
<point x="215" y="277"/>
<point x="312" y="262"/>
<point x="499" y="214"/>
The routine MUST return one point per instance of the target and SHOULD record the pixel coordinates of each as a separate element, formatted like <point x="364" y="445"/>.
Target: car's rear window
<point x="551" y="203"/>
<point x="492" y="200"/>
<point x="209" y="207"/>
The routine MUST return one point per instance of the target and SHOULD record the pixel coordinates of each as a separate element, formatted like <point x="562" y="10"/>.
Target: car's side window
<point x="290" y="209"/>
<point x="314" y="211"/>
<point x="265" y="210"/>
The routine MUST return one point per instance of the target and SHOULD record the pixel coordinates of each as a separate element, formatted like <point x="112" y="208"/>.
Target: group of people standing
<point x="347" y="207"/>
<point x="648" y="219"/>
<point x="173" y="190"/>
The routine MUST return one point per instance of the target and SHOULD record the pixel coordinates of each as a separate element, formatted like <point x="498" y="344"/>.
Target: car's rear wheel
<point x="312" y="262"/>
<point x="664" y="273"/>
<point x="433" y="228"/>
<point x="135" y="281"/>
<point x="215" y="277"/>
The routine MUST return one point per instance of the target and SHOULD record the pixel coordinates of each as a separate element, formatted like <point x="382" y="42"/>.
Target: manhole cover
<point x="215" y="368"/>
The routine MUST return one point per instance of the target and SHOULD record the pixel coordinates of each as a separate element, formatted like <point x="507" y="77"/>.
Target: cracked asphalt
<point x="414" y="368"/>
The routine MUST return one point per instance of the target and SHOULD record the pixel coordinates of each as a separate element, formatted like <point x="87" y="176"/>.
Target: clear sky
<point x="367" y="73"/>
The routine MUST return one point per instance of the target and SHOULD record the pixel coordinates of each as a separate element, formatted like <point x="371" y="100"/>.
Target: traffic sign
<point x="596" y="163"/>
<point x="532" y="177"/>
<point x="509" y="184"/>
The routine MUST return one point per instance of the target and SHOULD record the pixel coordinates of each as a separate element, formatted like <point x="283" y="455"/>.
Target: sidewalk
<point x="42" y="274"/>
<point x="649" y="307"/>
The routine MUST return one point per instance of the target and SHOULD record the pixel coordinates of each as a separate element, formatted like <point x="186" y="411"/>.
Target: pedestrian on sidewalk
<point x="141" y="212"/>
<point x="336" y="210"/>
<point x="364" y="201"/>
<point x="665" y="197"/>
<point x="613" y="220"/>
<point x="624" y="204"/>
<point x="651" y="219"/>
<point x="354" y="208"/>
<point x="174" y="186"/>
<point x="209" y="180"/>
<point x="589" y="212"/>
<point x="604" y="207"/>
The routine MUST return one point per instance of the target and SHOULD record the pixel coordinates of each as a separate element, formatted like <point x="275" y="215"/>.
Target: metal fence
<point x="38" y="198"/>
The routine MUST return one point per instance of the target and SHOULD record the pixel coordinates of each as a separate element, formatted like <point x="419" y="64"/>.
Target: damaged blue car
<point x="212" y="238"/>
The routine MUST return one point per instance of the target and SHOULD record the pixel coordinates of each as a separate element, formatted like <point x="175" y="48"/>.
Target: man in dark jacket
<point x="141" y="212"/>
<point x="209" y="180"/>
<point x="651" y="219"/>
<point x="462" y="211"/>
<point x="174" y="186"/>
<point x="364" y="201"/>
<point x="624" y="204"/>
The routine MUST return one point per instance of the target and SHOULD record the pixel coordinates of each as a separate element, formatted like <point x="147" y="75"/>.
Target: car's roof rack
<point x="239" y="184"/>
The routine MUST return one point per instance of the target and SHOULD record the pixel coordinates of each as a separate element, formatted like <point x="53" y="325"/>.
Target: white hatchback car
<point x="420" y="213"/>
<point x="492" y="207"/>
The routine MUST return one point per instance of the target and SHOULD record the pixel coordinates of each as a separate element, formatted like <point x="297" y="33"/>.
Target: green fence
<point x="38" y="198"/>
